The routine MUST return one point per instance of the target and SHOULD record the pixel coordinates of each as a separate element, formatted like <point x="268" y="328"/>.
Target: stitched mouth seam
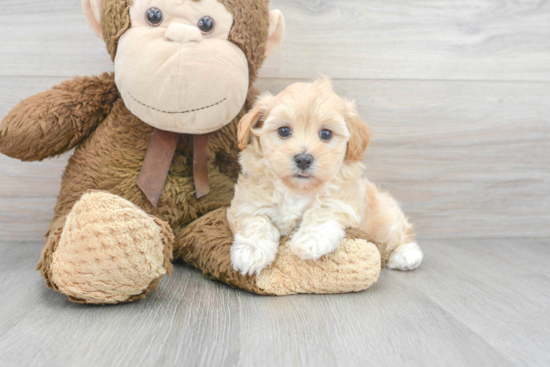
<point x="177" y="113"/>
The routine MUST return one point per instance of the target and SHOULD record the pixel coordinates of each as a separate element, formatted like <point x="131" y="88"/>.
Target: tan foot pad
<point x="355" y="266"/>
<point x="109" y="251"/>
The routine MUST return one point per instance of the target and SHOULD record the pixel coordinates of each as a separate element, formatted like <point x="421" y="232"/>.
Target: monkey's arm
<point x="55" y="121"/>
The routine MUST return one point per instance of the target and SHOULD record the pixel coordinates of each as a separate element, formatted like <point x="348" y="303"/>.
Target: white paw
<point x="405" y="257"/>
<point x="251" y="256"/>
<point x="313" y="242"/>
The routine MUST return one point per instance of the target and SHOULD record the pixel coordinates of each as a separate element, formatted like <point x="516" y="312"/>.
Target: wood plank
<point x="352" y="39"/>
<point x="25" y="218"/>
<point x="474" y="210"/>
<point x="465" y="159"/>
<point x="451" y="210"/>
<point x="190" y="319"/>
<point x="405" y="319"/>
<point x="49" y="39"/>
<point x="487" y="285"/>
<point x="469" y="40"/>
<point x="377" y="327"/>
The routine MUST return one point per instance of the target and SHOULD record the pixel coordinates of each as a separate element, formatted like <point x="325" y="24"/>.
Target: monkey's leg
<point x="206" y="243"/>
<point x="105" y="251"/>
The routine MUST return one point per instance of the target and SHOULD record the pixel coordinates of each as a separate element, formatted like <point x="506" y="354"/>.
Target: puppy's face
<point x="305" y="134"/>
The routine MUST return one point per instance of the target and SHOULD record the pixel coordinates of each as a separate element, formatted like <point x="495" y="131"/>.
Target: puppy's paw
<point x="313" y="242"/>
<point x="251" y="256"/>
<point x="405" y="257"/>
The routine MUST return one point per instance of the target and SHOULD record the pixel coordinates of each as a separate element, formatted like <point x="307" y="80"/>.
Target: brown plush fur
<point x="88" y="113"/>
<point x="250" y="30"/>
<point x="205" y="244"/>
<point x="111" y="158"/>
<point x="115" y="20"/>
<point x="113" y="142"/>
<point x="57" y="120"/>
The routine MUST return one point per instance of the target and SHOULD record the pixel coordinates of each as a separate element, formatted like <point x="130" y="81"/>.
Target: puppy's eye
<point x="154" y="17"/>
<point x="284" y="132"/>
<point x="206" y="25"/>
<point x="325" y="135"/>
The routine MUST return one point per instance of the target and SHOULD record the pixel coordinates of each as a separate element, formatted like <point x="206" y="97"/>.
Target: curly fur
<point x="275" y="196"/>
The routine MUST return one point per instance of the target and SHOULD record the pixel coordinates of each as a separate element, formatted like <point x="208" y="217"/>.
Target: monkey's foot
<point x="110" y="251"/>
<point x="353" y="267"/>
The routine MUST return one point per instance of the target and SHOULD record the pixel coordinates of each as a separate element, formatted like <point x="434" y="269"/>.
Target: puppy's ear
<point x="251" y="119"/>
<point x="360" y="135"/>
<point x="248" y="122"/>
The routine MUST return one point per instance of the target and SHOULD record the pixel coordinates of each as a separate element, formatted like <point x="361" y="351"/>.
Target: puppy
<point x="302" y="177"/>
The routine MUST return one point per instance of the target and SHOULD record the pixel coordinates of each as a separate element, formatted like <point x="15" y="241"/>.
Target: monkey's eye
<point x="325" y="135"/>
<point x="206" y="25"/>
<point x="284" y="132"/>
<point x="154" y="17"/>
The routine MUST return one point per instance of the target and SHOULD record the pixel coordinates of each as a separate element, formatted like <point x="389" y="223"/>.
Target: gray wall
<point x="457" y="94"/>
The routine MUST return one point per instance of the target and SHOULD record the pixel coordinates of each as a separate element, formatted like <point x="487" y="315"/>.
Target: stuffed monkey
<point x="155" y="162"/>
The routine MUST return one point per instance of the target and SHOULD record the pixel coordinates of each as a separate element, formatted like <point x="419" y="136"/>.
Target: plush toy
<point x="155" y="162"/>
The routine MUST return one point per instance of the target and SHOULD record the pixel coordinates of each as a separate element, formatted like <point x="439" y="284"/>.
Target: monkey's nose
<point x="303" y="161"/>
<point x="178" y="32"/>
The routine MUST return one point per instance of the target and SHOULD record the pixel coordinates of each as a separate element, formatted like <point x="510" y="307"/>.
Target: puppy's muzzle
<point x="303" y="161"/>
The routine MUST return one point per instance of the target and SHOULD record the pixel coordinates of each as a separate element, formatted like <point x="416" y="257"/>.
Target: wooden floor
<point x="471" y="303"/>
<point x="458" y="96"/>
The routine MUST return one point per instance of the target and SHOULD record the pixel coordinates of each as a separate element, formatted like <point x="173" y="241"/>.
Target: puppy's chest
<point x="289" y="210"/>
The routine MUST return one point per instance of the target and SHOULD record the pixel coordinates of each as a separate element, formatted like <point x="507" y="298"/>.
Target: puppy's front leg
<point x="317" y="236"/>
<point x="255" y="245"/>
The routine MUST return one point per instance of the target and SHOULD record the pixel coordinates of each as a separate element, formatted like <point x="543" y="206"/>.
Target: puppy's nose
<point x="303" y="161"/>
<point x="178" y="32"/>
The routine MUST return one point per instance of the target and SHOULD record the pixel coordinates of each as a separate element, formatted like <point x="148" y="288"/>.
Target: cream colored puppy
<point x="302" y="177"/>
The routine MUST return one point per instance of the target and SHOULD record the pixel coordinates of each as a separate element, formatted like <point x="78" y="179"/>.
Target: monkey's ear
<point x="246" y="124"/>
<point x="92" y="11"/>
<point x="276" y="32"/>
<point x="360" y="135"/>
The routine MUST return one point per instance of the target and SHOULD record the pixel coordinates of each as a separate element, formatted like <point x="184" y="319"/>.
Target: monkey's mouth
<point x="177" y="112"/>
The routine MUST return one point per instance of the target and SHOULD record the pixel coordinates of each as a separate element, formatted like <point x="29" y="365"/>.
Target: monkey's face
<point x="179" y="64"/>
<point x="176" y="69"/>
